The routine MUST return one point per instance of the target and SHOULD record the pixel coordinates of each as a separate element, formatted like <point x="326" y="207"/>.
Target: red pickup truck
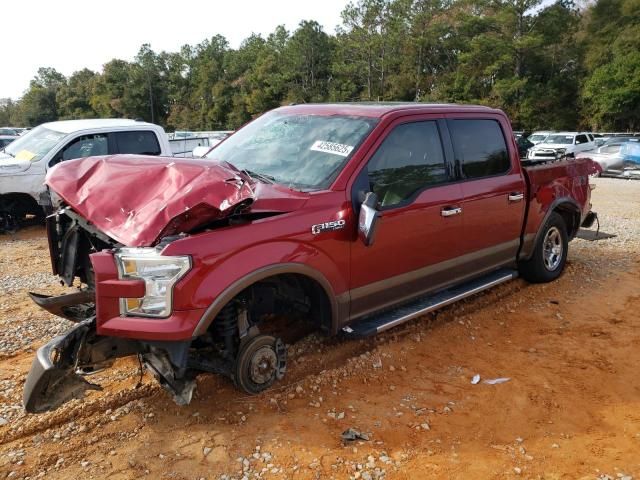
<point x="346" y="218"/>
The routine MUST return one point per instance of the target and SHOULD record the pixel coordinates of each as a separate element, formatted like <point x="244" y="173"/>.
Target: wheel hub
<point x="552" y="249"/>
<point x="263" y="365"/>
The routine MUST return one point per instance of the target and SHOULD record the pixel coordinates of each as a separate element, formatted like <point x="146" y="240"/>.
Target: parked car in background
<point x="561" y="144"/>
<point x="214" y="139"/>
<point x="339" y="218"/>
<point x="6" y="140"/>
<point x="11" y="131"/>
<point x="25" y="162"/>
<point x="617" y="153"/>
<point x="539" y="136"/>
<point x="524" y="144"/>
<point x="188" y="147"/>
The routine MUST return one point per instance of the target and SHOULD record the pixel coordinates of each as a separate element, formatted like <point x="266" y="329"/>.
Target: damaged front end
<point x="57" y="373"/>
<point x="59" y="369"/>
<point x="108" y="238"/>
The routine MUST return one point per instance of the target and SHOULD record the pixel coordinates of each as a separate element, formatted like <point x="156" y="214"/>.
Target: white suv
<point x="25" y="162"/>
<point x="562" y="143"/>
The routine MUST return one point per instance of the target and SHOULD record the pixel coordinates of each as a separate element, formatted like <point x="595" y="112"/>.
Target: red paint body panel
<point x="222" y="256"/>
<point x="108" y="192"/>
<point x="568" y="179"/>
<point x="122" y="288"/>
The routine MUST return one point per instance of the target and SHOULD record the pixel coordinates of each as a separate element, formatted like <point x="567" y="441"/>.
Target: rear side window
<point x="409" y="159"/>
<point x="137" y="142"/>
<point x="479" y="147"/>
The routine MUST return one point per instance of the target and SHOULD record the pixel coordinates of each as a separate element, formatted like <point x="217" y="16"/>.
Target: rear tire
<point x="550" y="253"/>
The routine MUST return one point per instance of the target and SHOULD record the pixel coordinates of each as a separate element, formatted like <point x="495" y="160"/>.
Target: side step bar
<point x="390" y="318"/>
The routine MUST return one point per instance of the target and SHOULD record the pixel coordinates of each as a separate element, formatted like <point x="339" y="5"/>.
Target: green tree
<point x="611" y="88"/>
<point x="308" y="63"/>
<point x="74" y="96"/>
<point x="39" y="105"/>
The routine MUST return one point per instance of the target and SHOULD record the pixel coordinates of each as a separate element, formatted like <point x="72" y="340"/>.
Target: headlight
<point x="160" y="273"/>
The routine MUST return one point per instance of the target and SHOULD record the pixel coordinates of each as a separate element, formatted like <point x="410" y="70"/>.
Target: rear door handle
<point x="450" y="211"/>
<point x="516" y="196"/>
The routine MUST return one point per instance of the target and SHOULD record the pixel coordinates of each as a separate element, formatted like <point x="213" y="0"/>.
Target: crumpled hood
<point x="10" y="165"/>
<point x="137" y="200"/>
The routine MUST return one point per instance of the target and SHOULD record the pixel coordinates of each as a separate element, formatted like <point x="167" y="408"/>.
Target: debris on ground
<point x="351" y="434"/>
<point x="496" y="381"/>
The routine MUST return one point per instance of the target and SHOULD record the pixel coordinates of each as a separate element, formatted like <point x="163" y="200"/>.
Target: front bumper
<point x="52" y="379"/>
<point x="58" y="370"/>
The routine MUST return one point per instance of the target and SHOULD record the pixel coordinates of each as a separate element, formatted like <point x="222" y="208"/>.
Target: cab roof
<point x="380" y="109"/>
<point x="70" y="126"/>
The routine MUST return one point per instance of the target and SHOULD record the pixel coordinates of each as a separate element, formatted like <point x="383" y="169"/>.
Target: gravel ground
<point x="569" y="409"/>
<point x="24" y="268"/>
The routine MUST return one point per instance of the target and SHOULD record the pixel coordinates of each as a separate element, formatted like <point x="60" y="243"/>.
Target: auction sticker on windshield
<point x="330" y="147"/>
<point x="25" y="155"/>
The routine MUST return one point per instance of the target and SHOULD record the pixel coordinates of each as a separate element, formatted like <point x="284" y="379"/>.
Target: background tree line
<point x="552" y="66"/>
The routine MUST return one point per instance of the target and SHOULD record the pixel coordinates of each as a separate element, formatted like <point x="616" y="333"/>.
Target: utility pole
<point x="153" y="120"/>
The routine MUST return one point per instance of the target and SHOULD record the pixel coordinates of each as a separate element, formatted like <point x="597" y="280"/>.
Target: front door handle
<point x="516" y="196"/>
<point x="450" y="211"/>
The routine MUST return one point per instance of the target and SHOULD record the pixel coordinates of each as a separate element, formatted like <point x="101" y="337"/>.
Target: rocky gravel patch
<point x="31" y="282"/>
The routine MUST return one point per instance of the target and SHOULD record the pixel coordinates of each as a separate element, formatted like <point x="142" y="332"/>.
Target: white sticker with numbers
<point x="330" y="147"/>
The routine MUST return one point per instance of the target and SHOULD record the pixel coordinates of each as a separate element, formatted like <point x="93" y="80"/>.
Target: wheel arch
<point x="570" y="211"/>
<point x="10" y="197"/>
<point x="337" y="305"/>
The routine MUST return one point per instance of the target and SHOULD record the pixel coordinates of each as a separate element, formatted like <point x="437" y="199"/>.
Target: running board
<point x="390" y="318"/>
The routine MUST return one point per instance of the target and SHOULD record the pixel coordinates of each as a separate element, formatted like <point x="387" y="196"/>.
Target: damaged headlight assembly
<point x="159" y="273"/>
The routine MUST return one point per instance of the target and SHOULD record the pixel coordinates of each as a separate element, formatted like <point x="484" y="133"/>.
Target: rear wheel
<point x="550" y="254"/>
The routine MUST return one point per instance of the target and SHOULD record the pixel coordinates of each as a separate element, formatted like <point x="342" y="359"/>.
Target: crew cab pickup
<point x="349" y="219"/>
<point x="25" y="162"/>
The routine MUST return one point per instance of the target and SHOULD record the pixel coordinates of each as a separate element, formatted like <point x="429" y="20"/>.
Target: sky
<point x="70" y="35"/>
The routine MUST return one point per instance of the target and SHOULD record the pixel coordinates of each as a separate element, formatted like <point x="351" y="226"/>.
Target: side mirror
<point x="200" y="151"/>
<point x="368" y="219"/>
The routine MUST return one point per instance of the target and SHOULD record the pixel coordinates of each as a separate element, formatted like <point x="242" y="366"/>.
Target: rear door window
<point x="409" y="159"/>
<point x="138" y="142"/>
<point x="479" y="147"/>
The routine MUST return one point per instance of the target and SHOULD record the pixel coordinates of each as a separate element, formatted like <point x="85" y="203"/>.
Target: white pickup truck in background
<point x="24" y="163"/>
<point x="561" y="144"/>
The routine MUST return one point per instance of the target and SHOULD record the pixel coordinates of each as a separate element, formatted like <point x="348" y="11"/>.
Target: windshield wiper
<point x="260" y="176"/>
<point x="8" y="153"/>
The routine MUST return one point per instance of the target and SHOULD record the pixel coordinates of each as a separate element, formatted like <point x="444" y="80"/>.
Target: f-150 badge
<point x="327" y="226"/>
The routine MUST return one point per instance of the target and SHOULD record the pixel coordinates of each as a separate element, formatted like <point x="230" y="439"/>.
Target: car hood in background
<point x="551" y="146"/>
<point x="137" y="200"/>
<point x="10" y="165"/>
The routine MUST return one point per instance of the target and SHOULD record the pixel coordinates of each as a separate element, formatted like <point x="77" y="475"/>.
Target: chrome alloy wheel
<point x="552" y="249"/>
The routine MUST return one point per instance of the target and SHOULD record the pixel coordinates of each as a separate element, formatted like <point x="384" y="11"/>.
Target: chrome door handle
<point x="516" y="196"/>
<point x="450" y="211"/>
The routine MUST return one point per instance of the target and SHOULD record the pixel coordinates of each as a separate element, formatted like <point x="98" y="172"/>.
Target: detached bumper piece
<point x="52" y="379"/>
<point x="77" y="306"/>
<point x="58" y="371"/>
